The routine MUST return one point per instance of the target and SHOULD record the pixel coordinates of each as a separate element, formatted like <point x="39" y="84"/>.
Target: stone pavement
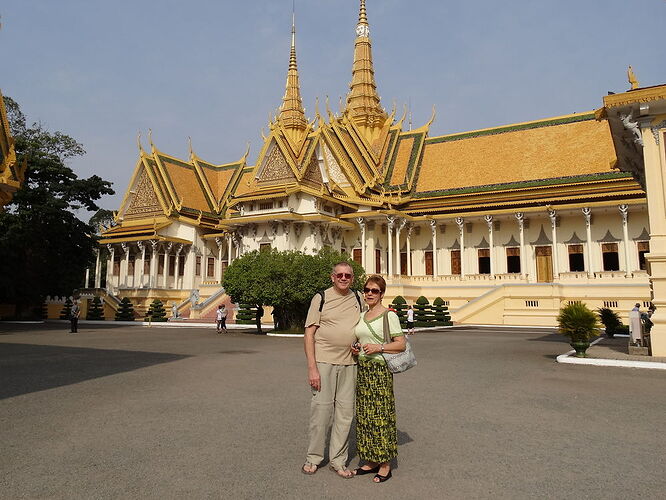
<point x="127" y="412"/>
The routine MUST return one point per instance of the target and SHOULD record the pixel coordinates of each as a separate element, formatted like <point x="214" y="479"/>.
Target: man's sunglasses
<point x="375" y="291"/>
<point x="346" y="276"/>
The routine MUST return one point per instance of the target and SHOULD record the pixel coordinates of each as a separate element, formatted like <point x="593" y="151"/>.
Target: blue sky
<point x="213" y="70"/>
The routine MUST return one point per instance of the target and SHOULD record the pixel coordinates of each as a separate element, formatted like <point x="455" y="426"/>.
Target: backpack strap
<point x="323" y="299"/>
<point x="358" y="299"/>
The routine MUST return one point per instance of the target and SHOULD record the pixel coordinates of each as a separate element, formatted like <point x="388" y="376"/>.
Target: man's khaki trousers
<point x="336" y="400"/>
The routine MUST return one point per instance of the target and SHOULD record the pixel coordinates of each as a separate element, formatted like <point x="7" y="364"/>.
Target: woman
<point x="376" y="432"/>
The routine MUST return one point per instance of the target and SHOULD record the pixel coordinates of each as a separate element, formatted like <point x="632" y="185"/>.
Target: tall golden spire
<point x="363" y="101"/>
<point x="292" y="114"/>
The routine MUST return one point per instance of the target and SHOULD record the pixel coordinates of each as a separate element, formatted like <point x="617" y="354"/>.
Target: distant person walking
<point x="329" y="331"/>
<point x="410" y="321"/>
<point x="74" y="314"/>
<point x="221" y="317"/>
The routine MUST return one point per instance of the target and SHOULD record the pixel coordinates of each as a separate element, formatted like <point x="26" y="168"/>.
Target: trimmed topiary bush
<point x="441" y="313"/>
<point x="156" y="311"/>
<point x="95" y="310"/>
<point x="400" y="305"/>
<point x="247" y="314"/>
<point x="67" y="309"/>
<point x="422" y="312"/>
<point x="126" y="311"/>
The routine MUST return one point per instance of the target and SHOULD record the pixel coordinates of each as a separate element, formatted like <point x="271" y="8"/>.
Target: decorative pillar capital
<point x="587" y="213"/>
<point x="552" y="215"/>
<point x="461" y="223"/>
<point x="141" y="245"/>
<point x="154" y="244"/>
<point x="433" y="226"/>
<point x="218" y="241"/>
<point x="179" y="248"/>
<point x="109" y="247"/>
<point x="624" y="211"/>
<point x="125" y="246"/>
<point x="520" y="217"/>
<point x="391" y="221"/>
<point x="402" y="224"/>
<point x="361" y="223"/>
<point x="489" y="221"/>
<point x="410" y="230"/>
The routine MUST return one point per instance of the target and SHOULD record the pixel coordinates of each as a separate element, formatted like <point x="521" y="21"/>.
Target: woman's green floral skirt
<point x="376" y="433"/>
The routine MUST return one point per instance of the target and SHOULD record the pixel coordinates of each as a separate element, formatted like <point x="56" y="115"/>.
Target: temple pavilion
<point x="505" y="224"/>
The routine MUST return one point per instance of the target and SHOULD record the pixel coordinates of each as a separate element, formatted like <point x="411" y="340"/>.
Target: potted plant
<point x="580" y="324"/>
<point x="611" y="321"/>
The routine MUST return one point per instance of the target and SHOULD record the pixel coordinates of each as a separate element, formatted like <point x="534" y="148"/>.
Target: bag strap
<point x="323" y="298"/>
<point x="387" y="334"/>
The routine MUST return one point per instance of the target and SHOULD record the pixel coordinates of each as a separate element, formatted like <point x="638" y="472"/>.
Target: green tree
<point x="285" y="280"/>
<point x="45" y="248"/>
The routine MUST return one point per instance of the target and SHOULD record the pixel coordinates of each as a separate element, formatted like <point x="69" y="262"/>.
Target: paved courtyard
<point x="130" y="412"/>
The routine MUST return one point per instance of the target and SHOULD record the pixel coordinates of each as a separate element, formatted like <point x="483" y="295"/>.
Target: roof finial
<point x="632" y="78"/>
<point x="292" y="114"/>
<point x="363" y="101"/>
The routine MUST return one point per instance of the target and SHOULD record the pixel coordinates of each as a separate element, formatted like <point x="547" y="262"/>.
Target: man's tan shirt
<point x="336" y="323"/>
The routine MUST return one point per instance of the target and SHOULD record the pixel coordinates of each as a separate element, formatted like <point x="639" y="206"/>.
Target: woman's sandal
<point x="362" y="472"/>
<point x="383" y="478"/>
<point x="309" y="466"/>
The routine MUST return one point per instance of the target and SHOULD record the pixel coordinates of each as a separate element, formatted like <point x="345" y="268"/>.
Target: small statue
<point x="194" y="297"/>
<point x="174" y="311"/>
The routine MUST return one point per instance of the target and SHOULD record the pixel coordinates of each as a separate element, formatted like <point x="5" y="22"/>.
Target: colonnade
<point x="399" y="230"/>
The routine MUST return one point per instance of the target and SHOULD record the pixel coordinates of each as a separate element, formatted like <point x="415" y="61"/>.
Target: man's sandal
<point x="311" y="468"/>
<point x="380" y="479"/>
<point x="347" y="473"/>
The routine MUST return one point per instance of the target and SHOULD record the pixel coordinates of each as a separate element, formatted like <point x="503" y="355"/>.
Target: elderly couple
<point x="337" y="333"/>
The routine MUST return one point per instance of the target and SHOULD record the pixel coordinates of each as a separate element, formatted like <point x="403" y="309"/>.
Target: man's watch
<point x="382" y="347"/>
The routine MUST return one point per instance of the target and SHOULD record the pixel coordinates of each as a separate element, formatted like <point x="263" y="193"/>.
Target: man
<point x="74" y="314"/>
<point x="329" y="333"/>
<point x="221" y="317"/>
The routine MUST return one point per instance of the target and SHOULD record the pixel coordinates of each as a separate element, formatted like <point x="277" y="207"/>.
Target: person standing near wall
<point x="74" y="314"/>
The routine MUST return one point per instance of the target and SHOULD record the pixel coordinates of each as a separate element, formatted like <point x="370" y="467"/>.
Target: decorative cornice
<point x="635" y="96"/>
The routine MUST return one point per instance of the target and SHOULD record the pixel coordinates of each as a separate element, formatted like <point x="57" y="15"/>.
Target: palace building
<point x="505" y="223"/>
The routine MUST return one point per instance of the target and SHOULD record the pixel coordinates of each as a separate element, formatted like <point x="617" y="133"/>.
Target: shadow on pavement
<point x="26" y="368"/>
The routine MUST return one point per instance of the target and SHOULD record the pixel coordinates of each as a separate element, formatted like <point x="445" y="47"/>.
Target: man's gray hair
<point x="342" y="263"/>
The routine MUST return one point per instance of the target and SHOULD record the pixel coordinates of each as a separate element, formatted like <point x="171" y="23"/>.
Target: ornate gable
<point x="144" y="202"/>
<point x="275" y="168"/>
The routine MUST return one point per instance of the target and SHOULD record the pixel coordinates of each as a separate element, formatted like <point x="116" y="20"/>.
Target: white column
<point x="624" y="211"/>
<point x="552" y="215"/>
<point x="461" y="228"/>
<point x="167" y="249"/>
<point x="124" y="266"/>
<point x="87" y="277"/>
<point x="142" y="248"/>
<point x="179" y="249"/>
<point x="220" y="245"/>
<point x="98" y="269"/>
<point x="361" y="223"/>
<point x="587" y="213"/>
<point x="491" y="242"/>
<point x="398" y="227"/>
<point x="152" y="280"/>
<point x="109" y="267"/>
<point x="433" y="229"/>
<point x="520" y="217"/>
<point x="193" y="266"/>
<point x="230" y="248"/>
<point x="410" y="228"/>
<point x="389" y="231"/>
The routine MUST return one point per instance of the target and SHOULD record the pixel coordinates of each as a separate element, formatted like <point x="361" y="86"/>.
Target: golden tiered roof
<point x="363" y="158"/>
<point x="11" y="174"/>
